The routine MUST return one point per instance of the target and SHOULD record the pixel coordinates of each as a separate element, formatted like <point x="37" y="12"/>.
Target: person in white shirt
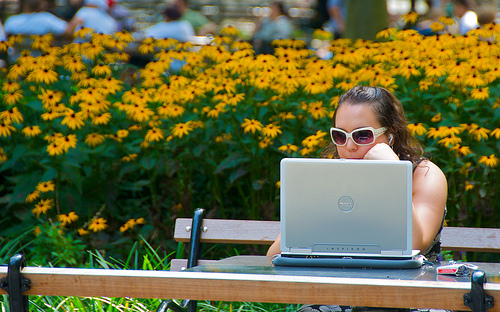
<point x="94" y="14"/>
<point x="172" y="27"/>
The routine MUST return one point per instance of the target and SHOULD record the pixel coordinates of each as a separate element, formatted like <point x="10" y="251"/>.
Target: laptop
<point x="348" y="213"/>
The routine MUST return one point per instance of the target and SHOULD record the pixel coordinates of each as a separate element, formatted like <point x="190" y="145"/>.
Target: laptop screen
<point x="346" y="207"/>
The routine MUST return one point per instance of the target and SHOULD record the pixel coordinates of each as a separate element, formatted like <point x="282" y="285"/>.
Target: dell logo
<point x="346" y="203"/>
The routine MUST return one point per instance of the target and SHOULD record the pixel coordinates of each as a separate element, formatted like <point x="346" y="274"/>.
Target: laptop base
<point x="347" y="262"/>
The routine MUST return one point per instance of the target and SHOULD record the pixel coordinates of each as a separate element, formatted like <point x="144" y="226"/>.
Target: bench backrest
<point x="220" y="231"/>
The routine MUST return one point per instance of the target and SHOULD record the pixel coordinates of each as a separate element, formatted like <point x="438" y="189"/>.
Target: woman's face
<point x="351" y="117"/>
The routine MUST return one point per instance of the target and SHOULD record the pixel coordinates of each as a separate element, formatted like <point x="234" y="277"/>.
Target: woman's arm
<point x="275" y="248"/>
<point x="430" y="191"/>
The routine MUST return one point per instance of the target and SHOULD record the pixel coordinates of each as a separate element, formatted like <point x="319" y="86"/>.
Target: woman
<point x="276" y="26"/>
<point x="369" y="123"/>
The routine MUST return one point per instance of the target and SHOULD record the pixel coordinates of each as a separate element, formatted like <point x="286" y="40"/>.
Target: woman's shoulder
<point x="427" y="171"/>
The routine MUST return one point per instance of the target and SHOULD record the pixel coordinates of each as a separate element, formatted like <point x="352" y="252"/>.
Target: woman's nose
<point x="350" y="145"/>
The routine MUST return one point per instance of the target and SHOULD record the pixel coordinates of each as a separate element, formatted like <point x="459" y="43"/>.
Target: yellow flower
<point x="43" y="206"/>
<point x="45" y="187"/>
<point x="124" y="36"/>
<point x="410" y="17"/>
<point x="495" y="133"/>
<point x="129" y="158"/>
<point x="489" y="161"/>
<point x="154" y="134"/>
<point x="10" y="86"/>
<point x="479" y="133"/>
<point x="229" y="31"/>
<point x="82" y="232"/>
<point x="468" y="186"/>
<point x="181" y="129"/>
<point x="54" y="149"/>
<point x="13" y="115"/>
<point x="73" y="120"/>
<point x="33" y="196"/>
<point x="101" y="119"/>
<point x="386" y="33"/>
<point x="83" y="32"/>
<point x="317" y="110"/>
<point x="67" y="142"/>
<point x="480" y="94"/>
<point x="101" y="70"/>
<point x="436" y="118"/>
<point x="94" y="139"/>
<point x="98" y="224"/>
<point x="43" y="75"/>
<point x="417" y="128"/>
<point x="6" y="128"/>
<point x="37" y="231"/>
<point x="13" y="97"/>
<point x="66" y="219"/>
<point x="122" y="133"/>
<point x="265" y="142"/>
<point x="251" y="125"/>
<point x="436" y="26"/>
<point x="271" y="131"/>
<point x="289" y="148"/>
<point x="3" y="155"/>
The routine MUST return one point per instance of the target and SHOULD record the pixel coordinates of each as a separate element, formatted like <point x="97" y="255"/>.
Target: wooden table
<point x="250" y="278"/>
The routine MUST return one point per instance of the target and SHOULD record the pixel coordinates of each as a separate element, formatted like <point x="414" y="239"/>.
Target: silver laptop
<point x="346" y="208"/>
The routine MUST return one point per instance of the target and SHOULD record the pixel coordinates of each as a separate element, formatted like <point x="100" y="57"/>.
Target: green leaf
<point x="49" y="174"/>
<point x="147" y="162"/>
<point x="231" y="161"/>
<point x="238" y="173"/>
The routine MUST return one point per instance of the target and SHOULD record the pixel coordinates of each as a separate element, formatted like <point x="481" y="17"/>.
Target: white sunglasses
<point x="361" y="136"/>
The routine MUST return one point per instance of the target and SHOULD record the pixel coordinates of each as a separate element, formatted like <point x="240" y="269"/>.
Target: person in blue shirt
<point x="34" y="20"/>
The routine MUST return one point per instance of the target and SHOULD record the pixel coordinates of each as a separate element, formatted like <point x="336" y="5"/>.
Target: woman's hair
<point x="390" y="114"/>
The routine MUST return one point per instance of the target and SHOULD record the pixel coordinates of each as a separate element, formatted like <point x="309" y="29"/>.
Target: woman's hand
<point x="381" y="151"/>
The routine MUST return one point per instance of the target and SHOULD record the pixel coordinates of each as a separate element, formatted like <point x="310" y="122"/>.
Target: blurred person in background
<point x="267" y="29"/>
<point x="94" y="14"/>
<point x="35" y="20"/>
<point x="172" y="27"/>
<point x="201" y="24"/>
<point x="337" y="13"/>
<point x="467" y="18"/>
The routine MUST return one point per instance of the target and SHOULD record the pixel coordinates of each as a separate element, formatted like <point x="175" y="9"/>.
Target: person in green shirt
<point x="202" y="25"/>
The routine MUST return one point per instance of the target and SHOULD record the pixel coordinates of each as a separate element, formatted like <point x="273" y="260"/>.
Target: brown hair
<point x="390" y="114"/>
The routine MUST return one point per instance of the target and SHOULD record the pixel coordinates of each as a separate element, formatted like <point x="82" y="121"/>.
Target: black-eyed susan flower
<point x="495" y="133"/>
<point x="13" y="115"/>
<point x="265" y="142"/>
<point x="73" y="120"/>
<point x="3" y="155"/>
<point x="181" y="129"/>
<point x="480" y="93"/>
<point x="55" y="149"/>
<point x="82" y="232"/>
<point x="474" y="81"/>
<point x="10" y="86"/>
<point x="98" y="224"/>
<point x="43" y="75"/>
<point x="436" y="118"/>
<point x="83" y="32"/>
<point x="94" y="139"/>
<point x="66" y="219"/>
<point x="417" y="128"/>
<point x="13" y="97"/>
<point x="479" y="133"/>
<point x="101" y="119"/>
<point x="67" y="142"/>
<point x="288" y="148"/>
<point x="251" y="125"/>
<point x="489" y="161"/>
<point x="129" y="158"/>
<point x="43" y="206"/>
<point x="31" y="131"/>
<point x="32" y="196"/>
<point x="468" y="186"/>
<point x="271" y="131"/>
<point x="6" y="128"/>
<point x="154" y="134"/>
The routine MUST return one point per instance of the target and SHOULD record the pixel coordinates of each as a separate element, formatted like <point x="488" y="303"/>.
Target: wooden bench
<point x="219" y="231"/>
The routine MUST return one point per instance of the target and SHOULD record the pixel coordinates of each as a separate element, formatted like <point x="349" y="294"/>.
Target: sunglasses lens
<point x="338" y="137"/>
<point x="363" y="136"/>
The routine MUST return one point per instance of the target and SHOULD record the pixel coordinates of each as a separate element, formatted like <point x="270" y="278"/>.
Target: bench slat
<point x="230" y="231"/>
<point x="265" y="232"/>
